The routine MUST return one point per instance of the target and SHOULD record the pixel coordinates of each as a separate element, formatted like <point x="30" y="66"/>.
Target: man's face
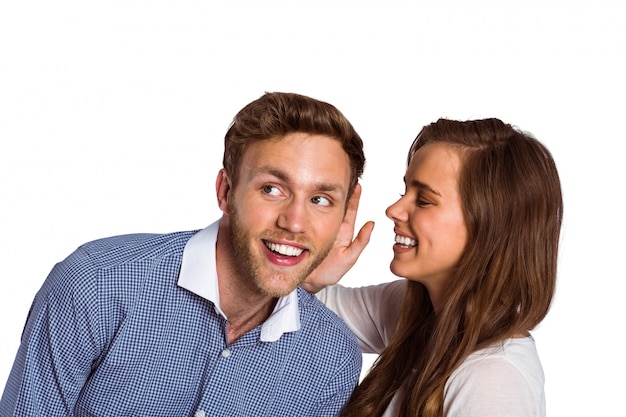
<point x="286" y="210"/>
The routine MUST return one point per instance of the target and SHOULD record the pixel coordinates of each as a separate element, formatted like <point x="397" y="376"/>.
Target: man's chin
<point x="278" y="291"/>
<point x="280" y="287"/>
<point x="283" y="282"/>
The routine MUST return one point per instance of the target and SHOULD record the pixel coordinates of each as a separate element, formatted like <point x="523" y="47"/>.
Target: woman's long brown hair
<point x="504" y="281"/>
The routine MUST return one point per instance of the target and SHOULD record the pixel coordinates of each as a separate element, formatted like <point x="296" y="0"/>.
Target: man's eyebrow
<point x="424" y="186"/>
<point x="330" y="187"/>
<point x="283" y="176"/>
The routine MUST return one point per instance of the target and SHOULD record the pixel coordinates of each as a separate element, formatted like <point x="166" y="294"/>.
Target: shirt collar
<point x="198" y="274"/>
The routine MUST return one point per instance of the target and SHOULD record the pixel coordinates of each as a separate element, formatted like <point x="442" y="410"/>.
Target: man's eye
<point x="322" y="201"/>
<point x="270" y="189"/>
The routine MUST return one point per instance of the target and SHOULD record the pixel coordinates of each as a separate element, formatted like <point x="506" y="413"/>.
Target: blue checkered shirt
<point x="113" y="333"/>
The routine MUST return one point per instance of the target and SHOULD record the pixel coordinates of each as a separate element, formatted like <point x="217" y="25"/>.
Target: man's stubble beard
<point x="249" y="266"/>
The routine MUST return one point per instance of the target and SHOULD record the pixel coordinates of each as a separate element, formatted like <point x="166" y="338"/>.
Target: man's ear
<point x="222" y="190"/>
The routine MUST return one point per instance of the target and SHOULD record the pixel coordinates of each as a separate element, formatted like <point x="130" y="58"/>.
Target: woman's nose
<point x="396" y="211"/>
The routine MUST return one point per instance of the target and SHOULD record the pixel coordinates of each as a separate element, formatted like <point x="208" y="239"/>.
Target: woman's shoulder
<point x="505" y="376"/>
<point x="512" y="356"/>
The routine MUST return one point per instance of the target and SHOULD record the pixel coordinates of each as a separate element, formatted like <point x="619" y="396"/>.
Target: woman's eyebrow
<point x="424" y="186"/>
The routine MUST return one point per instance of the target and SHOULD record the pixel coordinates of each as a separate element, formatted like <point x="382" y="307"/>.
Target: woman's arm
<point x="371" y="312"/>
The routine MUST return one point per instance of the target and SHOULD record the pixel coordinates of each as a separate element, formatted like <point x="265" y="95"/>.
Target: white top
<point x="505" y="379"/>
<point x="198" y="274"/>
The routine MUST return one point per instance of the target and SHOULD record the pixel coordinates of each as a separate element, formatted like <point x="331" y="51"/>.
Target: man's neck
<point x="244" y="308"/>
<point x="243" y="321"/>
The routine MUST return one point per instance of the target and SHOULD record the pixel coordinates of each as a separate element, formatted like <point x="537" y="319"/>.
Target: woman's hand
<point x="345" y="251"/>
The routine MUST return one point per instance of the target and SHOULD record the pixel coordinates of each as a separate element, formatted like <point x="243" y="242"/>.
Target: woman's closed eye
<point x="423" y="203"/>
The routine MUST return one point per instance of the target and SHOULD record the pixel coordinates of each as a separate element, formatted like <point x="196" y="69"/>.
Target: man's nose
<point x="293" y="217"/>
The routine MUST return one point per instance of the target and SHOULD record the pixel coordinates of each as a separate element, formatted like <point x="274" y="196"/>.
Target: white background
<point x="112" y="115"/>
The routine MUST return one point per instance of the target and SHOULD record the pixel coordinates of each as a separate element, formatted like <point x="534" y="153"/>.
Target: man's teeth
<point x="284" y="249"/>
<point x="405" y="241"/>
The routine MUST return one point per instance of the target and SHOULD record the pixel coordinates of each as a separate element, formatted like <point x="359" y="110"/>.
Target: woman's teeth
<point x="405" y="241"/>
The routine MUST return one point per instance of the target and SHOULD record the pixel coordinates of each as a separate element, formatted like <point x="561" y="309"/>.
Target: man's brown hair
<point x="274" y="115"/>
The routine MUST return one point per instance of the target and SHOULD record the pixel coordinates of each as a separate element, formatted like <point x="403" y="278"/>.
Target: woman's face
<point x="428" y="219"/>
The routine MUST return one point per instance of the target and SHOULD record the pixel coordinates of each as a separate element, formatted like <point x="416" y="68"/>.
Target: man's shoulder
<point x="320" y="320"/>
<point x="114" y="250"/>
<point x="122" y="259"/>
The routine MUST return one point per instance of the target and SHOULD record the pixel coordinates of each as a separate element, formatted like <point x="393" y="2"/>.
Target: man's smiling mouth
<point x="285" y="250"/>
